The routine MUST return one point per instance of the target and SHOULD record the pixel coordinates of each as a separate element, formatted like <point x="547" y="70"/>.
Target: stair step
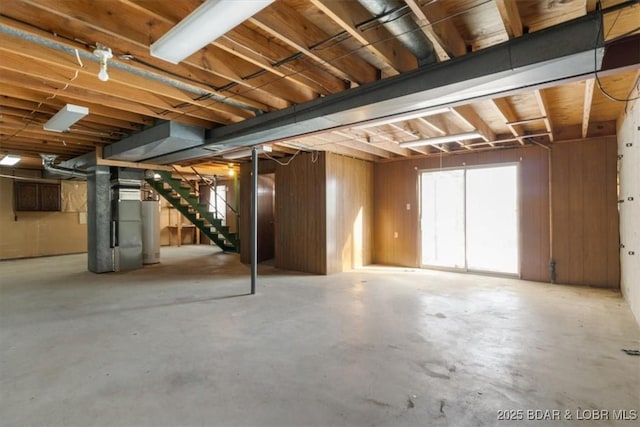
<point x="188" y="204"/>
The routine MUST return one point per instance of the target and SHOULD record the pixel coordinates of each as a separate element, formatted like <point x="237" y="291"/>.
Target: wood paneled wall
<point x="397" y="206"/>
<point x="323" y="213"/>
<point x="301" y="220"/>
<point x="349" y="193"/>
<point x="585" y="212"/>
<point x="264" y="167"/>
<point x="300" y="213"/>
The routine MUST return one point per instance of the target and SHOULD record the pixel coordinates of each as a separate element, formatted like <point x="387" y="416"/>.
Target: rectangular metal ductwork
<point x="566" y="52"/>
<point x="158" y="140"/>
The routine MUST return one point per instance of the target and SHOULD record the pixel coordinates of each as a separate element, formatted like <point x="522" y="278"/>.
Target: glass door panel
<point x="442" y="219"/>
<point x="492" y="219"/>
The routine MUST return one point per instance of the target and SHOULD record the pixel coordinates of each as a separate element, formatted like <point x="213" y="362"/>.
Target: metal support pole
<point x="254" y="218"/>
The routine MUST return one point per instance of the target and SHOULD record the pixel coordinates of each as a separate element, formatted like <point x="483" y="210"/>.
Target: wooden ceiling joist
<point x="124" y="38"/>
<point x="284" y="23"/>
<point x="544" y="110"/>
<point x="589" y="86"/>
<point x="293" y="52"/>
<point x="468" y="115"/>
<point x="510" y="17"/>
<point x="506" y="111"/>
<point x="432" y="20"/>
<point x="389" y="50"/>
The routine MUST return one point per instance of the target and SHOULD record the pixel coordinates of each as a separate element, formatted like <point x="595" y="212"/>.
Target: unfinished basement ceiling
<point x="292" y="52"/>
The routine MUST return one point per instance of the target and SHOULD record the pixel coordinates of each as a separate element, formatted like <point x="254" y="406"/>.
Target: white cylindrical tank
<point x="150" y="231"/>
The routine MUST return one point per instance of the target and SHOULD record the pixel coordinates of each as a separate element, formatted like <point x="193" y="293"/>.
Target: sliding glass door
<point x="469" y="219"/>
<point x="443" y="219"/>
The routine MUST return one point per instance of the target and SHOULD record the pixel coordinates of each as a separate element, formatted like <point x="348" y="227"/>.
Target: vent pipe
<point x="396" y="18"/>
<point x="47" y="164"/>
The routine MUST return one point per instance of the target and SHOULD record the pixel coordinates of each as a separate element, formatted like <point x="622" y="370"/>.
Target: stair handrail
<point x="193" y="187"/>
<point x="184" y="178"/>
<point x="215" y="192"/>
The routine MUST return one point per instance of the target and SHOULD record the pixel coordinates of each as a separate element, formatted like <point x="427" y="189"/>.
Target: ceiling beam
<point x="434" y="23"/>
<point x="510" y="17"/>
<point x="287" y="25"/>
<point x="314" y="143"/>
<point x="509" y="115"/>
<point x="502" y="70"/>
<point x="590" y="5"/>
<point x="261" y="51"/>
<point x="97" y="22"/>
<point x="378" y="41"/>
<point x="17" y="51"/>
<point x="589" y="86"/>
<point x="468" y="115"/>
<point x="30" y="92"/>
<point x="83" y="90"/>
<point x="544" y="110"/>
<point x="249" y="46"/>
<point x="386" y="145"/>
<point x="28" y="106"/>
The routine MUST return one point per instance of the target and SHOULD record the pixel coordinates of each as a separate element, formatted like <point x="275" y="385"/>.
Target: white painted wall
<point x="629" y="133"/>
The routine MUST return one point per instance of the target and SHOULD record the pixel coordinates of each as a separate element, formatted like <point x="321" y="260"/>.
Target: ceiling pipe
<point x="125" y="67"/>
<point x="47" y="164"/>
<point x="390" y="13"/>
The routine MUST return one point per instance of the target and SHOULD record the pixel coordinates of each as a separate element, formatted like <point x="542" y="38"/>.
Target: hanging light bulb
<point x="103" y="75"/>
<point x="104" y="53"/>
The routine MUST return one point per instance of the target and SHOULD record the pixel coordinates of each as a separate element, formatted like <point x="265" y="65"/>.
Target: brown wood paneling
<point x="301" y="215"/>
<point x="561" y="213"/>
<point x="266" y="217"/>
<point x="595" y="214"/>
<point x="534" y="215"/>
<point x="585" y="216"/>
<point x="349" y="195"/>
<point x="575" y="231"/>
<point x="395" y="186"/>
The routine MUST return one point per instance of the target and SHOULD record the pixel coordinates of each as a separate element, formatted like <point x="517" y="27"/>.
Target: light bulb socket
<point x="104" y="54"/>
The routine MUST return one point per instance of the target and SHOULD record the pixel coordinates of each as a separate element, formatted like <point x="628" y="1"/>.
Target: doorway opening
<point x="469" y="219"/>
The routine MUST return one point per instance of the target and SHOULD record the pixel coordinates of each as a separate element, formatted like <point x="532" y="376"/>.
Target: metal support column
<point x="99" y="227"/>
<point x="254" y="218"/>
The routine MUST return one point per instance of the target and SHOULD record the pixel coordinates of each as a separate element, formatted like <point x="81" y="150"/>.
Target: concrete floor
<point x="177" y="344"/>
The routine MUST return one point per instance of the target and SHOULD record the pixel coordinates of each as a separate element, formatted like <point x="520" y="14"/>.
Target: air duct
<point x="567" y="52"/>
<point x="47" y="164"/>
<point x="393" y="15"/>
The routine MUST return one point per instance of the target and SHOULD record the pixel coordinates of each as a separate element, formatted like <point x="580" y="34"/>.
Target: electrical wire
<point x="283" y="163"/>
<point x="339" y="57"/>
<point x="595" y="58"/>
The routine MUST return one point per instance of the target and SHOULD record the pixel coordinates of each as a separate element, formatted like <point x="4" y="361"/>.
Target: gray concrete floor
<point x="179" y="344"/>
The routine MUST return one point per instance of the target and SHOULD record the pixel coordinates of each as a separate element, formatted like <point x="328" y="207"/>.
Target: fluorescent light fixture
<point x="67" y="116"/>
<point x="401" y="118"/>
<point x="441" y="139"/>
<point x="245" y="153"/>
<point x="9" y="160"/>
<point x="205" y="24"/>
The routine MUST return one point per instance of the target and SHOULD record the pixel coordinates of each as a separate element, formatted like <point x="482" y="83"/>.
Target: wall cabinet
<point x="37" y="196"/>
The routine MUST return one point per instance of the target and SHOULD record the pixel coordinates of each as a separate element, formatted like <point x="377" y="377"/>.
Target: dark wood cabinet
<point x="37" y="196"/>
